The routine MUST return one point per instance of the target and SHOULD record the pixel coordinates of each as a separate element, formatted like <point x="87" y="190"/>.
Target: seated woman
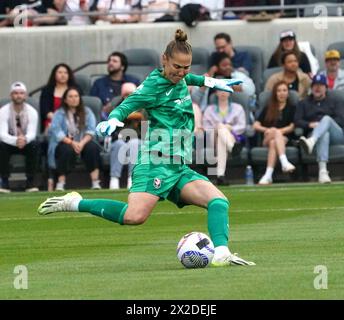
<point x="276" y="123"/>
<point x="61" y="77"/>
<point x="295" y="78"/>
<point x="227" y="121"/>
<point x="71" y="135"/>
<point x="288" y="43"/>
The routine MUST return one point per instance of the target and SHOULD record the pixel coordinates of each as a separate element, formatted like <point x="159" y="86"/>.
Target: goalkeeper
<point x="165" y="97"/>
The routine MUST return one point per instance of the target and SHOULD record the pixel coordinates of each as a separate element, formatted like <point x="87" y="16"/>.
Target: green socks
<point x="108" y="209"/>
<point x="218" y="221"/>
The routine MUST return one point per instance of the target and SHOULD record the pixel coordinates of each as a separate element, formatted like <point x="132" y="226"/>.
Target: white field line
<point x="79" y="216"/>
<point x="238" y="188"/>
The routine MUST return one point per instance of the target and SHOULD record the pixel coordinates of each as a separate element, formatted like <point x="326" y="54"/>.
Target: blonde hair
<point x="179" y="44"/>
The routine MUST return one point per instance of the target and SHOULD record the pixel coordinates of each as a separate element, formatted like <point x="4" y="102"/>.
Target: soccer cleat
<point x="307" y="144"/>
<point x="60" y="204"/>
<point x="226" y="258"/>
<point x="324" y="177"/>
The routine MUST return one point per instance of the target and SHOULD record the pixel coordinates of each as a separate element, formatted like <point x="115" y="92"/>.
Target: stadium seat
<point x="337" y="46"/>
<point x="84" y="83"/>
<point x="200" y="60"/>
<point x="267" y="73"/>
<point x="141" y="61"/>
<point x="95" y="104"/>
<point x="256" y="54"/>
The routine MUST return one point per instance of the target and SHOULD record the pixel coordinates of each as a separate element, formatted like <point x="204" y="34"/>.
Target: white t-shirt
<point x="118" y="5"/>
<point x="156" y="5"/>
<point x="74" y="6"/>
<point x="31" y="131"/>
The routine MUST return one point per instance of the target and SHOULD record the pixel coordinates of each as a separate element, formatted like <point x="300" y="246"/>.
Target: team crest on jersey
<point x="157" y="183"/>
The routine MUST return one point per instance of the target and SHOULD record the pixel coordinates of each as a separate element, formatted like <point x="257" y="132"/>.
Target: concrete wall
<point x="28" y="54"/>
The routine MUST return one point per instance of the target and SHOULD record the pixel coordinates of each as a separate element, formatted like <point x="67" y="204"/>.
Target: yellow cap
<point x="332" y="54"/>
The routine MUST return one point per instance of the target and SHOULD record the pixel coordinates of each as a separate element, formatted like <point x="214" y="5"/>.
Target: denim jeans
<point x="123" y="153"/>
<point x="327" y="133"/>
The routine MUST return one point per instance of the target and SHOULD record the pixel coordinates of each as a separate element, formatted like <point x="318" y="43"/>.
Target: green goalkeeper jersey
<point x="169" y="110"/>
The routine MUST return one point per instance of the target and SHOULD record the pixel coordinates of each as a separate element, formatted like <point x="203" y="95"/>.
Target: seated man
<point x="322" y="118"/>
<point x="333" y="72"/>
<point x="108" y="87"/>
<point x="18" y="130"/>
<point x="240" y="60"/>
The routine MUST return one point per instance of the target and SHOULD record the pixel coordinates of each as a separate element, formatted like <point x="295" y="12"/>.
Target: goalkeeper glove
<point x="106" y="128"/>
<point x="221" y="84"/>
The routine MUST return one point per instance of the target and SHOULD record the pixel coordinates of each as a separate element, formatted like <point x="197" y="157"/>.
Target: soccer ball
<point x="195" y="250"/>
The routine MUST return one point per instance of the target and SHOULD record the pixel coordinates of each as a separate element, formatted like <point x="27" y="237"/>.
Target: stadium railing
<point x="296" y="10"/>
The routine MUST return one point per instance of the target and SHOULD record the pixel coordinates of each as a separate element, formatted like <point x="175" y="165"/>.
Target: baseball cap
<point x="319" y="79"/>
<point x="18" y="86"/>
<point x="332" y="54"/>
<point x="287" y="34"/>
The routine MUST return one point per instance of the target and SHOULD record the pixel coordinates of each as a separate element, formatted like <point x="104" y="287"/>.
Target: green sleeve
<point x="142" y="98"/>
<point x="194" y="80"/>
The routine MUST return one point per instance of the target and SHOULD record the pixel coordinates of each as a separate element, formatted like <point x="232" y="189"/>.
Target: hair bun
<point x="180" y="35"/>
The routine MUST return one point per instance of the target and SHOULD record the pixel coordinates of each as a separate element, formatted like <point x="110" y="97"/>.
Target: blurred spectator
<point x="226" y="120"/>
<point x="295" y="78"/>
<point x="276" y="123"/>
<point x="71" y="135"/>
<point x="248" y="3"/>
<point x="125" y="151"/>
<point x="18" y="132"/>
<point x="288" y="43"/>
<point x="33" y="8"/>
<point x="77" y="6"/>
<point x="223" y="69"/>
<point x="161" y="5"/>
<point x="210" y="5"/>
<point x="322" y="117"/>
<point x="240" y="60"/>
<point x="115" y="6"/>
<point x="61" y="77"/>
<point x="108" y="87"/>
<point x="3" y="21"/>
<point x="333" y="72"/>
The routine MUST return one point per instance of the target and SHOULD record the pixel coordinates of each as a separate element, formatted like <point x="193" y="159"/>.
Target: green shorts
<point x="163" y="180"/>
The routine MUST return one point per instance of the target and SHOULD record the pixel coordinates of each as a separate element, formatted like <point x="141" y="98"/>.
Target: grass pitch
<point x="287" y="230"/>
